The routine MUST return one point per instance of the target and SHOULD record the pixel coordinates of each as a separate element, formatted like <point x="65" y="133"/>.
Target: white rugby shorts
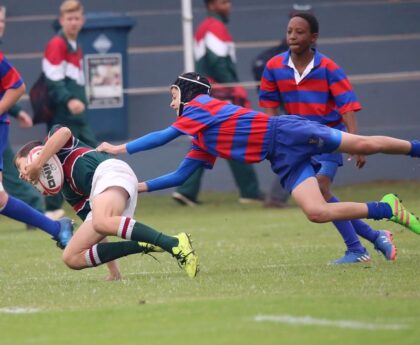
<point x="115" y="173"/>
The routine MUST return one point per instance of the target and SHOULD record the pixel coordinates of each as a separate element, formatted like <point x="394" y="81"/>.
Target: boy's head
<point x="302" y="32"/>
<point x="71" y="18"/>
<point x="22" y="155"/>
<point x="221" y="7"/>
<point x="186" y="87"/>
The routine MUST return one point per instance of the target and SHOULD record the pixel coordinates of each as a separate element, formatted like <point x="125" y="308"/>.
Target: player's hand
<point x="76" y="106"/>
<point x="142" y="187"/>
<point x="112" y="149"/>
<point x="31" y="171"/>
<point x="360" y="160"/>
<point x="25" y="121"/>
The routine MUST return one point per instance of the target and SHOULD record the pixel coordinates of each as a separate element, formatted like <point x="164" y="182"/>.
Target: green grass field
<point x="254" y="262"/>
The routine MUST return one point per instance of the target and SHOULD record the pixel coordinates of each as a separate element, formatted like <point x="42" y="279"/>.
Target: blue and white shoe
<point x="65" y="234"/>
<point x="352" y="258"/>
<point x="384" y="245"/>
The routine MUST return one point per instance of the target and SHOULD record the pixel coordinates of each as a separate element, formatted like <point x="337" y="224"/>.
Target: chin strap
<point x="1" y="187"/>
<point x="180" y="109"/>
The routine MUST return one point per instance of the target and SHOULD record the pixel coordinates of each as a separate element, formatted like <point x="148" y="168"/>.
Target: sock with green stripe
<point x="135" y="231"/>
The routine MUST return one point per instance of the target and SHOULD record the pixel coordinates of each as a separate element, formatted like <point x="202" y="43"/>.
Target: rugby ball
<point x="51" y="178"/>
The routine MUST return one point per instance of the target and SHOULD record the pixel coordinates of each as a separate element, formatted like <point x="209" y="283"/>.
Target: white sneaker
<point x="183" y="200"/>
<point x="56" y="214"/>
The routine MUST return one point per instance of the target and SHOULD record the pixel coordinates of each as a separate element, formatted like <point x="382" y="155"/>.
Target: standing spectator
<point x="12" y="183"/>
<point x="307" y="83"/>
<point x="215" y="58"/>
<point x="63" y="68"/>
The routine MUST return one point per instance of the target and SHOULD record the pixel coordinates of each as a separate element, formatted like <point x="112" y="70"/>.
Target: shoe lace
<point x="181" y="258"/>
<point x="148" y="253"/>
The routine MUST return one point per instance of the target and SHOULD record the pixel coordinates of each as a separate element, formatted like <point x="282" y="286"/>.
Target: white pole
<point x="187" y="30"/>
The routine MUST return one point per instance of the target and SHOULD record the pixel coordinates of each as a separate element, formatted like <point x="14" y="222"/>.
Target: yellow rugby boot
<point x="185" y="254"/>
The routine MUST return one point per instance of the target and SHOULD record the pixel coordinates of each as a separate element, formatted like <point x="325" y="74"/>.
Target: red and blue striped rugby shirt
<point x="218" y="133"/>
<point x="9" y="79"/>
<point x="324" y="95"/>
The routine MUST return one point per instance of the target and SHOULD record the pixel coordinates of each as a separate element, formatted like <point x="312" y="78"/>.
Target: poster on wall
<point x="104" y="84"/>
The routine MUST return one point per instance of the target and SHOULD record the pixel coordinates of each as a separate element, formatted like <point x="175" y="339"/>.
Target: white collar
<point x="298" y="77"/>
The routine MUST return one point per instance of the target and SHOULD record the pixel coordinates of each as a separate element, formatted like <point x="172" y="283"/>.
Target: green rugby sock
<point x="104" y="252"/>
<point x="132" y="230"/>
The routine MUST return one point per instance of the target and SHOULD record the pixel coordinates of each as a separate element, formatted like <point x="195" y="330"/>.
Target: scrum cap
<point x="190" y="85"/>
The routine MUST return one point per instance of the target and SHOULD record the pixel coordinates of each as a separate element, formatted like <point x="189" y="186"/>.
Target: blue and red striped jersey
<point x="324" y="95"/>
<point x="9" y="79"/>
<point x="221" y="129"/>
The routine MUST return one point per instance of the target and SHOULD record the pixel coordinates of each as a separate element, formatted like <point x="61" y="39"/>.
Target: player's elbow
<point x="65" y="133"/>
<point x="368" y="146"/>
<point x="22" y="88"/>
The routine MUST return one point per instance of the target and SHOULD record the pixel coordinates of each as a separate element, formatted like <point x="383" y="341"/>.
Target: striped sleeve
<point x="218" y="40"/>
<point x="201" y="155"/>
<point x="10" y="77"/>
<point x="341" y="89"/>
<point x="53" y="63"/>
<point x="213" y="35"/>
<point x="269" y="95"/>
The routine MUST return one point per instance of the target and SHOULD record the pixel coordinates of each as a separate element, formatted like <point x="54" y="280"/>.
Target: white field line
<point x="310" y="321"/>
<point x="18" y="310"/>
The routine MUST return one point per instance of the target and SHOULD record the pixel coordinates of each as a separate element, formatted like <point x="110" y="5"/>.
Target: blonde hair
<point x="70" y="6"/>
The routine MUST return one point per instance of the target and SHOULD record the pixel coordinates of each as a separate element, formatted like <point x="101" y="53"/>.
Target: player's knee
<point x="316" y="214"/>
<point x="72" y="261"/>
<point x="101" y="224"/>
<point x="368" y="146"/>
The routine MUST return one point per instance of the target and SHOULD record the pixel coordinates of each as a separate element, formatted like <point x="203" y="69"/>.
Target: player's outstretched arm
<point x="112" y="149"/>
<point x="176" y="178"/>
<point x="146" y="142"/>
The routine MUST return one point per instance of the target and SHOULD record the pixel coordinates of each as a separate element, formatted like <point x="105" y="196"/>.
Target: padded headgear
<point x="190" y="85"/>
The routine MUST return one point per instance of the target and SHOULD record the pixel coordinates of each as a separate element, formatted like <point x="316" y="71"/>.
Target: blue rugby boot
<point x="65" y="234"/>
<point x="352" y="258"/>
<point x="384" y="245"/>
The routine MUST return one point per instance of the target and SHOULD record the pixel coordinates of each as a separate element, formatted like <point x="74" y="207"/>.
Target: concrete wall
<point x="372" y="40"/>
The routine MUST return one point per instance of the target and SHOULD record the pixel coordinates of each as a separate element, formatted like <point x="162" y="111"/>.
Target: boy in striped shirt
<point x="307" y="83"/>
<point x="221" y="129"/>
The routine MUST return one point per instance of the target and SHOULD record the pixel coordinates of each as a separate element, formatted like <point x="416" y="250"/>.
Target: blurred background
<point x="377" y="43"/>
